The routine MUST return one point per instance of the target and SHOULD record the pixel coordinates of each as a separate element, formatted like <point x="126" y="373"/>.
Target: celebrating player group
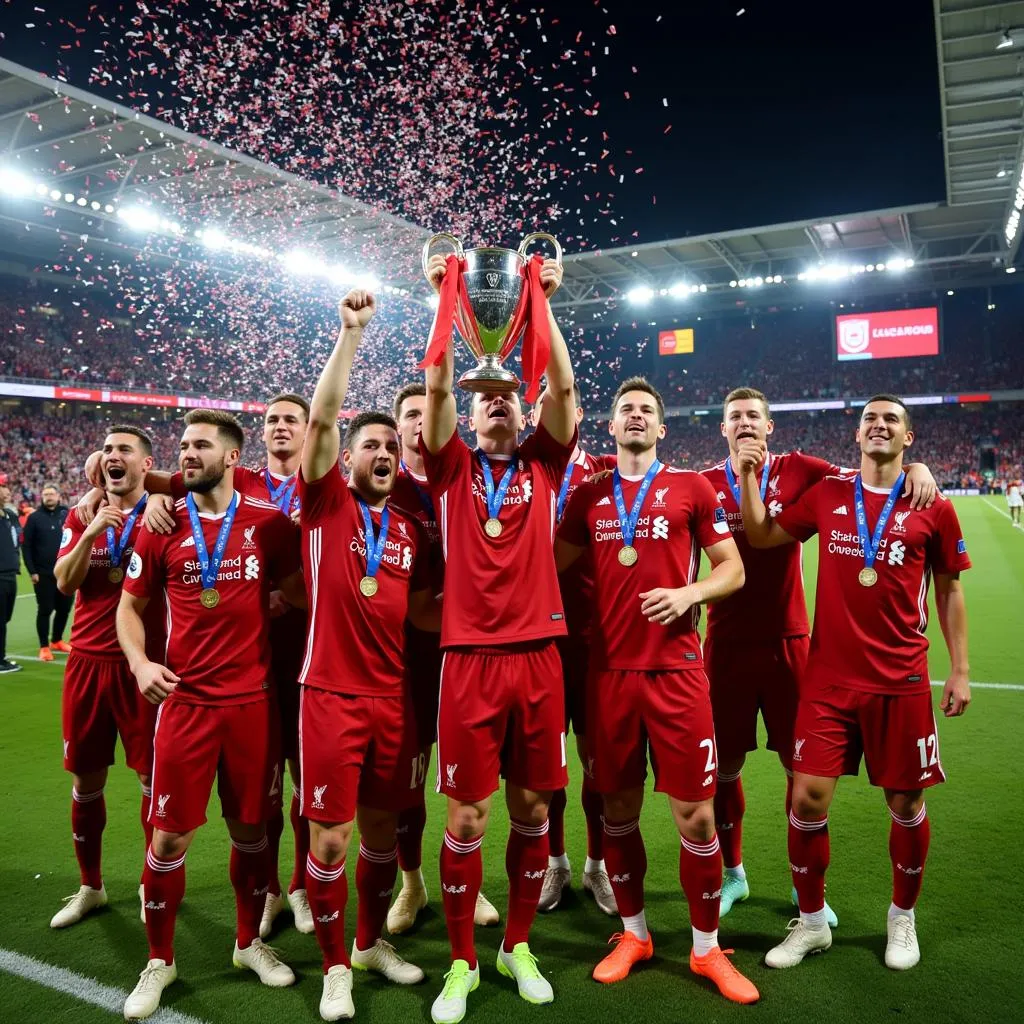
<point x="334" y="614"/>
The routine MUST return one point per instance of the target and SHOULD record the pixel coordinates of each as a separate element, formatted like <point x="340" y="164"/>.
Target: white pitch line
<point x="88" y="990"/>
<point x="21" y="597"/>
<point x="34" y="657"/>
<point x="996" y="508"/>
<point x="985" y="686"/>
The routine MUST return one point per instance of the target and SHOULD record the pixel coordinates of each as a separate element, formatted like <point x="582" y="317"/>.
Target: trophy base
<point x="487" y="376"/>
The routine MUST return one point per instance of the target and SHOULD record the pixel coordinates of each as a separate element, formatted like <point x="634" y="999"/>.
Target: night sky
<point x="787" y="111"/>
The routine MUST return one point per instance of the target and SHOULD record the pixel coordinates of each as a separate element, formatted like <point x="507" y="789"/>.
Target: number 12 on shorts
<point x="928" y="748"/>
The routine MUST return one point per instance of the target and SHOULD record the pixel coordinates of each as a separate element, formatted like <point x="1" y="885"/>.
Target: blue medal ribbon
<point x="116" y="545"/>
<point x="872" y="543"/>
<point x="496" y="495"/>
<point x="425" y="500"/>
<point x="374" y="545"/>
<point x="627" y="523"/>
<point x="563" y="491"/>
<point x="734" y="484"/>
<point x="209" y="565"/>
<point x="281" y="494"/>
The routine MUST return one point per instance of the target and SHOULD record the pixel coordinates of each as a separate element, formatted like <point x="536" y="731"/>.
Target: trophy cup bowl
<point x="491" y="313"/>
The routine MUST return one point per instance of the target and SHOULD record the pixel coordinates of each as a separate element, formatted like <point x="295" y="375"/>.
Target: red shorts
<point x="237" y="743"/>
<point x="746" y="679"/>
<point x="357" y="750"/>
<point x="287" y="650"/>
<point x="423" y="658"/>
<point x="668" y="712"/>
<point x="502" y="711"/>
<point x="575" y="654"/>
<point x="896" y="735"/>
<point x="99" y="702"/>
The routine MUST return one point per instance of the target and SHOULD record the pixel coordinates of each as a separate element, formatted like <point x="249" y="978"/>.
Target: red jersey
<point x="501" y="590"/>
<point x="94" y="631"/>
<point x="254" y="483"/>
<point x="411" y="494"/>
<point x="356" y="644"/>
<point x="577" y="582"/>
<point x="679" y="517"/>
<point x="771" y="604"/>
<point x="873" y="639"/>
<point x="222" y="654"/>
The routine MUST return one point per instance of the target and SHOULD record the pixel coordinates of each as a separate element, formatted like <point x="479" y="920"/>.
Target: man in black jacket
<point x="10" y="566"/>
<point x="43" y="531"/>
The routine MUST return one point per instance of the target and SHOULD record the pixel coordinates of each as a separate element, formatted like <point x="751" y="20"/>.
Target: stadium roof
<point x="80" y="159"/>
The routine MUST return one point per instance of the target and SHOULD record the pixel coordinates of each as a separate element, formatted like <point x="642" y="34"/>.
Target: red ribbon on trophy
<point x="444" y="317"/>
<point x="537" y="337"/>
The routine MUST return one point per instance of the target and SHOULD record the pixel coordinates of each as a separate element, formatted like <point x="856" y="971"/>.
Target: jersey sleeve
<point x="800" y="520"/>
<point x="708" y="524"/>
<point x="444" y="466"/>
<point x="71" y="534"/>
<point x="574" y="528"/>
<point x="814" y="470"/>
<point x="178" y="486"/>
<point x="322" y="497"/>
<point x="947" y="550"/>
<point x="548" y="454"/>
<point x="284" y="541"/>
<point x="146" y="573"/>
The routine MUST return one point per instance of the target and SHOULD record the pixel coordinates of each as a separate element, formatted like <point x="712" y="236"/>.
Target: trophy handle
<point x="441" y="236"/>
<point x="525" y="244"/>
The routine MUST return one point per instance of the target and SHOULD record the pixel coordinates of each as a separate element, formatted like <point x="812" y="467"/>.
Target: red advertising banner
<point x="888" y="335"/>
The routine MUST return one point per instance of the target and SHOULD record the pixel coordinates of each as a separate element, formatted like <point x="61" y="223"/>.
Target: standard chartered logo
<point x="897" y="552"/>
<point x="252" y="568"/>
<point x="659" y="528"/>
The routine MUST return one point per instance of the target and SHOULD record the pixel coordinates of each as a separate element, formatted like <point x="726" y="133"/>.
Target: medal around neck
<point x="868" y="576"/>
<point x="375" y="545"/>
<point x="209" y="565"/>
<point x="628" y="554"/>
<point x="495" y="495"/>
<point x="117" y="545"/>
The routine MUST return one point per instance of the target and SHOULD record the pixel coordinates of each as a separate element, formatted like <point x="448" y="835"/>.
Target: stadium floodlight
<point x="679" y="290"/>
<point x="108" y="208"/>
<point x="95" y="206"/>
<point x="82" y="201"/>
<point x="1011" y="270"/>
<point x="14" y="183"/>
<point x="138" y="218"/>
<point x="640" y="295"/>
<point x="694" y="288"/>
<point x="55" y="194"/>
<point x="369" y="282"/>
<point x="298" y="262"/>
<point x="758" y="281"/>
<point x="732" y="284"/>
<point x="214" y="238"/>
<point x="703" y="288"/>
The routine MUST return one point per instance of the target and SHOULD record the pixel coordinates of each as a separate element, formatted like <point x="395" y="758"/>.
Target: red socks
<point x="164" y="886"/>
<point x="461" y="875"/>
<point x="411" y="823"/>
<point x="327" y="892"/>
<point x="526" y="860"/>
<point x="626" y="861"/>
<point x="275" y="829"/>
<point x="375" y="881"/>
<point x="593" y="811"/>
<point x="556" y="823"/>
<point x="300" y="829"/>
<point x="88" y="819"/>
<point x="700" y="875"/>
<point x="729" y="807"/>
<point x="808" y="860"/>
<point x="908" y="849"/>
<point x="250" y="870"/>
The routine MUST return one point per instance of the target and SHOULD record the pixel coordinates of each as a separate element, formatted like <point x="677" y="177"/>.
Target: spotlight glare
<point x="14" y="182"/>
<point x="679" y="290"/>
<point x="1011" y="270"/>
<point x="138" y="218"/>
<point x="640" y="295"/>
<point x="108" y="208"/>
<point x="214" y="238"/>
<point x="732" y="284"/>
<point x="55" y="194"/>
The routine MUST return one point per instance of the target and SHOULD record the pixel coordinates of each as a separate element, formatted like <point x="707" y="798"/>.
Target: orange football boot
<point x="717" y="967"/>
<point x="619" y="962"/>
<point x="45" y="654"/>
<point x="61" y="645"/>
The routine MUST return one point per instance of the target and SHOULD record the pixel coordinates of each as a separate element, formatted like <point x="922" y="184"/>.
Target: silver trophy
<point x="495" y="316"/>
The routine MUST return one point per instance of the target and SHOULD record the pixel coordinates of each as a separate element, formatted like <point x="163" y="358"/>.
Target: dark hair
<point x="896" y="400"/>
<point x="746" y="394"/>
<point x="639" y="384"/>
<point x="367" y="419"/>
<point x="49" y="486"/>
<point x="417" y="387"/>
<point x="227" y="425"/>
<point x="128" y="428"/>
<point x="289" y="396"/>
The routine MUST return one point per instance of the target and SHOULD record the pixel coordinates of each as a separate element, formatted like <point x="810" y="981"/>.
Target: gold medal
<point x="368" y="586"/>
<point x="115" y="574"/>
<point x="627" y="555"/>
<point x="493" y="527"/>
<point x="209" y="598"/>
<point x="867" y="577"/>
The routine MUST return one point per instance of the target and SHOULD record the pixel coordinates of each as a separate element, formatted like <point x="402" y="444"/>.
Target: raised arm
<point x="440" y="416"/>
<point x="320" y="450"/>
<point x="952" y="610"/>
<point x="762" y="531"/>
<point x="558" y="405"/>
<point x="72" y="568"/>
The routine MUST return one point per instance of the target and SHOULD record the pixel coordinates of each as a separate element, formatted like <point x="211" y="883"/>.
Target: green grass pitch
<point x="969" y="918"/>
